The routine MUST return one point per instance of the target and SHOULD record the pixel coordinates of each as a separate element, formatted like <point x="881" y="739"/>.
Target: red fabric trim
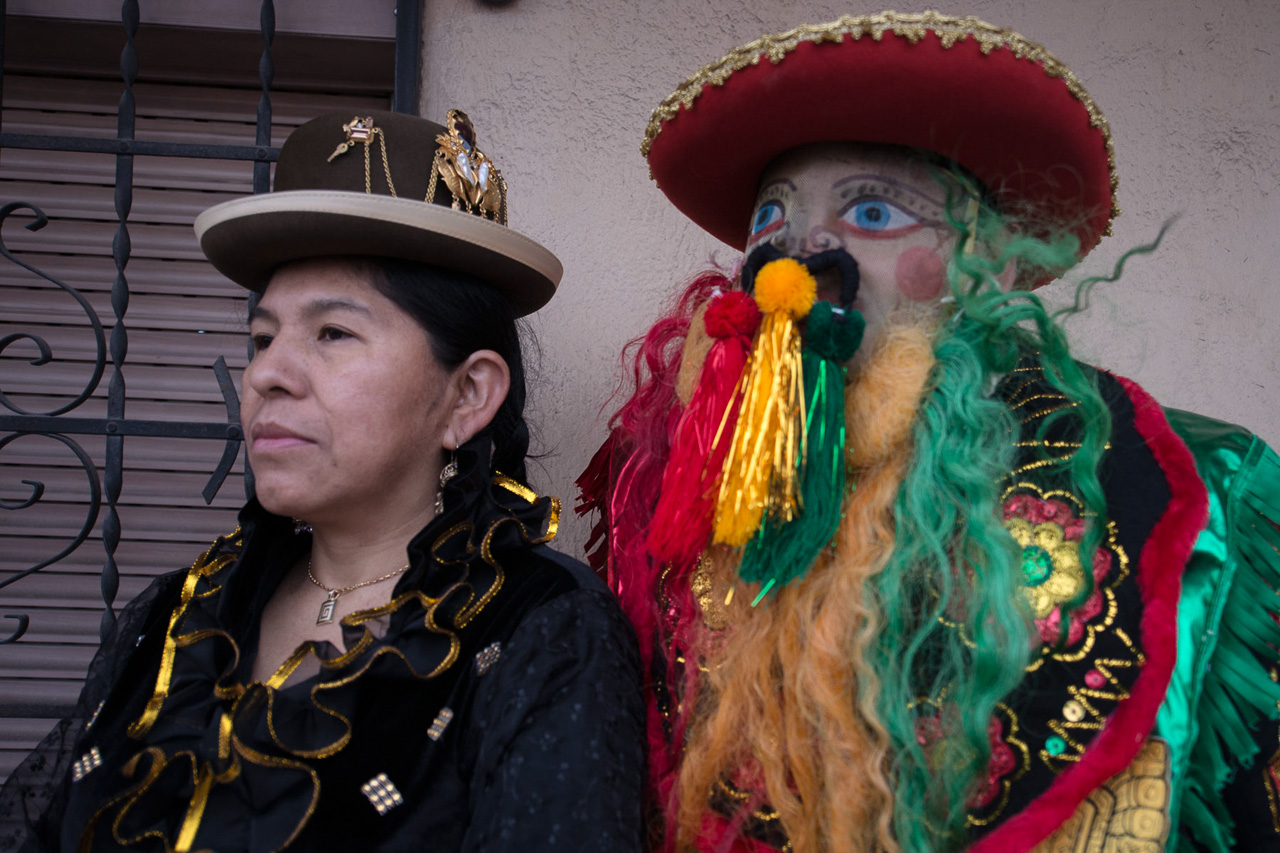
<point x="1160" y="579"/>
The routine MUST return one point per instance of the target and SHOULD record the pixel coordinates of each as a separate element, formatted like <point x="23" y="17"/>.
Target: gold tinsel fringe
<point x="761" y="474"/>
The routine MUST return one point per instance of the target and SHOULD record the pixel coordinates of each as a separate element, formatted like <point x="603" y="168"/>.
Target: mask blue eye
<point x="879" y="218"/>
<point x="768" y="217"/>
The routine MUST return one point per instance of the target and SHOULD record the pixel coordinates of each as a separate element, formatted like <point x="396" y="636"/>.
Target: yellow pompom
<point x="785" y="285"/>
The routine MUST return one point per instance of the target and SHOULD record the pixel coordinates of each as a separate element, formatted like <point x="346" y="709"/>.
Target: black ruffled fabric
<point x="543" y="749"/>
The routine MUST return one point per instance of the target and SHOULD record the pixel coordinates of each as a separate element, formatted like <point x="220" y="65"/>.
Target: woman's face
<point x="879" y="204"/>
<point x="345" y="406"/>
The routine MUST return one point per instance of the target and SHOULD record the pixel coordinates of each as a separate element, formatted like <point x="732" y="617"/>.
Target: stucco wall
<point x="561" y="90"/>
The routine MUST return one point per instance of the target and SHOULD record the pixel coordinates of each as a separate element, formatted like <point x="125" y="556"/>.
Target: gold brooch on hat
<point x="362" y="130"/>
<point x="475" y="183"/>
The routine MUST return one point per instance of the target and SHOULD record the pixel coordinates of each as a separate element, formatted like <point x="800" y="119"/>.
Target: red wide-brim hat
<point x="984" y="97"/>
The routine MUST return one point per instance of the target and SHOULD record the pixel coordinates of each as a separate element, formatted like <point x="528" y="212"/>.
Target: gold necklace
<point x="326" y="609"/>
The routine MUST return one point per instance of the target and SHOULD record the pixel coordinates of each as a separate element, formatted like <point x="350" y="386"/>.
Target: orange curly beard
<point x="786" y="704"/>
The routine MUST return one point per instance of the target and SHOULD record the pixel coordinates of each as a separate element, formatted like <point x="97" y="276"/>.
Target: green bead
<point x="1037" y="565"/>
<point x="1055" y="746"/>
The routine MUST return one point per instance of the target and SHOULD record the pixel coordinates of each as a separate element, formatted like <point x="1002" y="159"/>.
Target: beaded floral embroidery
<point x="1003" y="763"/>
<point x="1049" y="533"/>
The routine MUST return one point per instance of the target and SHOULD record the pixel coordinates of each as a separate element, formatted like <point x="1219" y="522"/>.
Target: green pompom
<point x="832" y="335"/>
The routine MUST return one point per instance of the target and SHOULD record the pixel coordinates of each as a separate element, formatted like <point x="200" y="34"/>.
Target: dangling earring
<point x="447" y="473"/>
<point x="300" y="527"/>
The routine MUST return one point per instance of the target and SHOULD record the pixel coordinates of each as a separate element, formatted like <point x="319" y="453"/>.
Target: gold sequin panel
<point x="1129" y="813"/>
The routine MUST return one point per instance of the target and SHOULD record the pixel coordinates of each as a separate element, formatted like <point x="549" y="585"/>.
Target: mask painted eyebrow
<point x="777" y="182"/>
<point x="866" y="176"/>
<point x="890" y="189"/>
<point x="872" y="177"/>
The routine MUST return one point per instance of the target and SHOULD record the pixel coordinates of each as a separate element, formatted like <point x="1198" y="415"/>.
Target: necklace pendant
<point x="326" y="609"/>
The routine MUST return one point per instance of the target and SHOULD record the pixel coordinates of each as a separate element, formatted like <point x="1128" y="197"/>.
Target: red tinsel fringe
<point x="593" y="496"/>
<point x="682" y="520"/>
<point x="622" y="484"/>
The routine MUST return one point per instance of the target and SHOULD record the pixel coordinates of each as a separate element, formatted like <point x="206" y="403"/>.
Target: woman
<point x="384" y="654"/>
<point x="915" y="578"/>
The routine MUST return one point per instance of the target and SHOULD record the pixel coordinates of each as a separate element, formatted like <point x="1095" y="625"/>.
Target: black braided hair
<point x="462" y="314"/>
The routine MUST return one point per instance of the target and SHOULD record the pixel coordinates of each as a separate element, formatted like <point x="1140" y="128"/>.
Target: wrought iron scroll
<point x="54" y="422"/>
<point x="46" y="353"/>
<point x="56" y="425"/>
<point x="37" y="491"/>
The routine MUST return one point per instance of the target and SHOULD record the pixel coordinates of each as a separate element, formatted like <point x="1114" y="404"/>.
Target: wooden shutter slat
<point x="158" y="523"/>
<point x="179" y="279"/>
<point x="174" y="489"/>
<point x="150" y="206"/>
<point x="138" y="409"/>
<point x="208" y="132"/>
<point x="144" y="557"/>
<point x="27" y="690"/>
<point x="288" y="109"/>
<point x="159" y="312"/>
<point x="145" y="382"/>
<point x="149" y="347"/>
<point x="162" y="242"/>
<point x="142" y="453"/>
<point x="77" y="593"/>
<point x="234" y="176"/>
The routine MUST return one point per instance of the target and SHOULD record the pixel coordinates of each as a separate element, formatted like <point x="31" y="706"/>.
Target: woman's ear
<point x="480" y="385"/>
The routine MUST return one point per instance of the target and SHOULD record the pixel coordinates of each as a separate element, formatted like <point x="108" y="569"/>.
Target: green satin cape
<point x="1222" y="686"/>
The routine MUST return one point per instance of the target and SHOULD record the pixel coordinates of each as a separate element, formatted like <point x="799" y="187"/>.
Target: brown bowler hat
<point x="386" y="185"/>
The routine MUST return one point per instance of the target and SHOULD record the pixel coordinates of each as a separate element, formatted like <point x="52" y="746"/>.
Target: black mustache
<point x="820" y="262"/>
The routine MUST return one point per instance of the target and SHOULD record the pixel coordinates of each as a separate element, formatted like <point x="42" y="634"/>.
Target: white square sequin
<point x="487" y="657"/>
<point x="86" y="764"/>
<point x="440" y="724"/>
<point x="382" y="793"/>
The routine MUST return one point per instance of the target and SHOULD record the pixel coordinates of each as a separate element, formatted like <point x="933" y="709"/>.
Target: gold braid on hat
<point x="476" y="184"/>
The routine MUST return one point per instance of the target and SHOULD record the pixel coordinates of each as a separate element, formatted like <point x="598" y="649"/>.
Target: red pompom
<point x="732" y="313"/>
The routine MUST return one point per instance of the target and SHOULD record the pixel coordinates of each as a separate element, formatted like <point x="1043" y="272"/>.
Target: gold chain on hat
<point x="363" y="130"/>
<point x="476" y="184"/>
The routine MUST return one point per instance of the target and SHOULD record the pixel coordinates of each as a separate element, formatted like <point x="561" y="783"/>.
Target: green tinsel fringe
<point x="780" y="553"/>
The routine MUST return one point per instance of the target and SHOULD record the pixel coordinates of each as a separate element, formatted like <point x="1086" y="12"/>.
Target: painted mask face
<point x="880" y="204"/>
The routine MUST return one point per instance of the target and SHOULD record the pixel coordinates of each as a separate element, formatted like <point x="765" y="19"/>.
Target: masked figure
<point x="907" y="576"/>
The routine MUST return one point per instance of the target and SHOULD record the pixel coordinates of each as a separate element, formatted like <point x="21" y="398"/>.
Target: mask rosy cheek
<point x="921" y="276"/>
